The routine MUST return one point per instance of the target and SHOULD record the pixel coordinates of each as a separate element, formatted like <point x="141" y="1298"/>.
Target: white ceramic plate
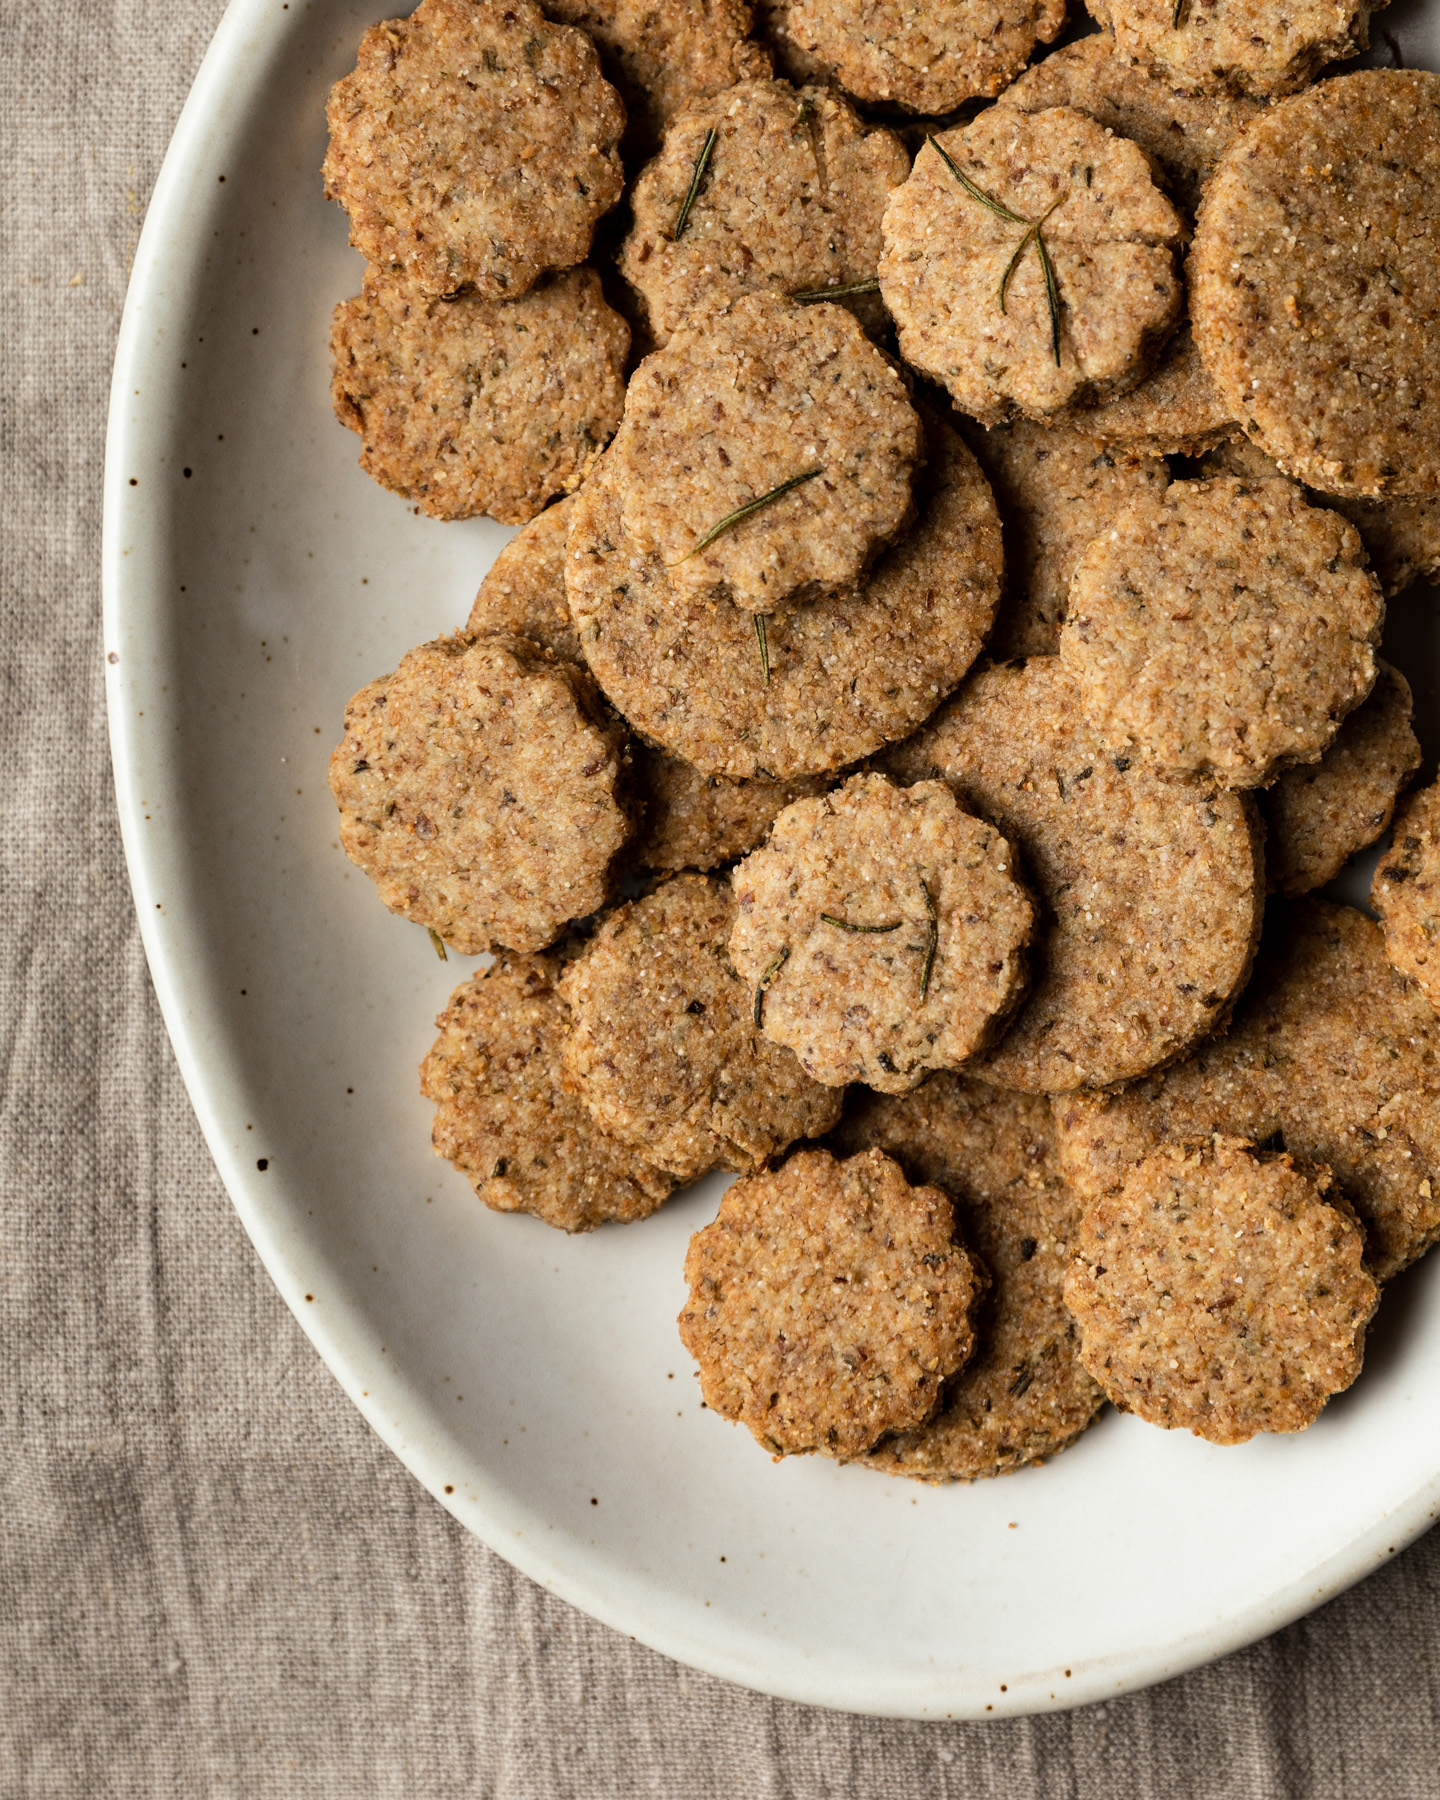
<point x="253" y="579"/>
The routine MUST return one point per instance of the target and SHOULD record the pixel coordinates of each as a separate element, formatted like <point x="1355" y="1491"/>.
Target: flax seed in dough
<point x="926" y="59"/>
<point x="1056" y="489"/>
<point x="695" y="821"/>
<point x="1148" y="891"/>
<point x="1330" y="1051"/>
<point x="1314" y="287"/>
<point x="665" y="1051"/>
<point x="1175" y="411"/>
<point x="1219" y="1290"/>
<point x="1223" y="629"/>
<point x="523" y="594"/>
<point x="503" y="1117"/>
<point x="1402" y="537"/>
<point x="474" y="146"/>
<point x="477" y="788"/>
<point x="473" y="406"/>
<point x="1111" y="237"/>
<point x="1256" y="47"/>
<point x="1184" y="135"/>
<point x="1024" y="1394"/>
<point x="792" y="196"/>
<point x="899" y="927"/>
<point x="829" y="1303"/>
<point x="846" y="675"/>
<point x="1406" y="892"/>
<point x="754" y="394"/>
<point x="1319" y="815"/>
<point x="663" y="57"/>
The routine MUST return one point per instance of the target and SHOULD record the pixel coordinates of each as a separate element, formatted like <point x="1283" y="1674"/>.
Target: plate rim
<point x="134" y="615"/>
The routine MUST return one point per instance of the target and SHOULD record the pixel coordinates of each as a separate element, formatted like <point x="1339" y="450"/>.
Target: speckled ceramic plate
<point x="535" y="1384"/>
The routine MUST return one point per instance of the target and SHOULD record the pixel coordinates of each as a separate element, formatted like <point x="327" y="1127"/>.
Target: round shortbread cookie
<point x="665" y="1050"/>
<point x="1027" y="194"/>
<point x="474" y="146"/>
<point x="888" y="928"/>
<point x="1321" y="814"/>
<point x="1175" y="410"/>
<point x="1218" y="1290"/>
<point x="477" y="788"/>
<point x="792" y="188"/>
<point x="1257" y="47"/>
<point x="1330" y="1051"/>
<point x="472" y="406"/>
<point x="1314" y="290"/>
<point x="523" y="594"/>
<point x="1406" y="892"/>
<point x="1056" y="489"/>
<point x="1223" y="629"/>
<point x="1024" y="1394"/>
<point x="829" y="1303"/>
<point x="504" y="1119"/>
<point x="926" y="59"/>
<point x="663" y="57"/>
<point x="1402" y="537"/>
<point x="1185" y="135"/>
<point x="767" y="452"/>
<point x="836" y="679"/>
<point x="695" y="821"/>
<point x="1148" y="890"/>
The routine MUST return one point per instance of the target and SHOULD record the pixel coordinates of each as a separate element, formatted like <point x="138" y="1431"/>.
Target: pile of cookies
<point x="896" y="758"/>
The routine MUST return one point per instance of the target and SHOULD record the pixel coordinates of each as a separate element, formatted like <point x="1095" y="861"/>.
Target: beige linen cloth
<point x="213" y="1579"/>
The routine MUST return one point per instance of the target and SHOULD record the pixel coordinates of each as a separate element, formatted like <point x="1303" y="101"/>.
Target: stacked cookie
<point x="880" y="801"/>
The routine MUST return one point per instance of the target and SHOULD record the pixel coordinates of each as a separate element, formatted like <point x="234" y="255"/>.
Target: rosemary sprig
<point x="1032" y="236"/>
<point x="869" y="286"/>
<point x="702" y="163"/>
<point x="763" y="642"/>
<point x="845" y="925"/>
<point x="438" y="942"/>
<point x="933" y="945"/>
<point x="765" y="980"/>
<point x="1177" y="18"/>
<point x="744" y="512"/>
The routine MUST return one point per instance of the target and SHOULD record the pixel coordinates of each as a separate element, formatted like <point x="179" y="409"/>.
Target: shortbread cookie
<point x="1175" y="410"/>
<point x="474" y="146"/>
<point x="1330" y="1048"/>
<point x="480" y="406"/>
<point x="1218" y="1290"/>
<point x="695" y="821"/>
<point x="1070" y="214"/>
<point x="767" y="452"/>
<point x="477" y="788"/>
<point x="1148" y="890"/>
<point x="666" y="1052"/>
<point x="504" y="1118"/>
<point x="1024" y="1394"/>
<point x="889" y="928"/>
<point x="926" y="59"/>
<point x="662" y="58"/>
<point x="1185" y="135"/>
<point x="1321" y="814"/>
<point x="1056" y="489"/>
<point x="1406" y="892"/>
<point x="791" y="190"/>
<point x="1257" y="47"/>
<point x="810" y="689"/>
<point x="1314" y="288"/>
<point x="523" y="593"/>
<point x="1402" y="537"/>
<point x="829" y="1303"/>
<point x="1223" y="629"/>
